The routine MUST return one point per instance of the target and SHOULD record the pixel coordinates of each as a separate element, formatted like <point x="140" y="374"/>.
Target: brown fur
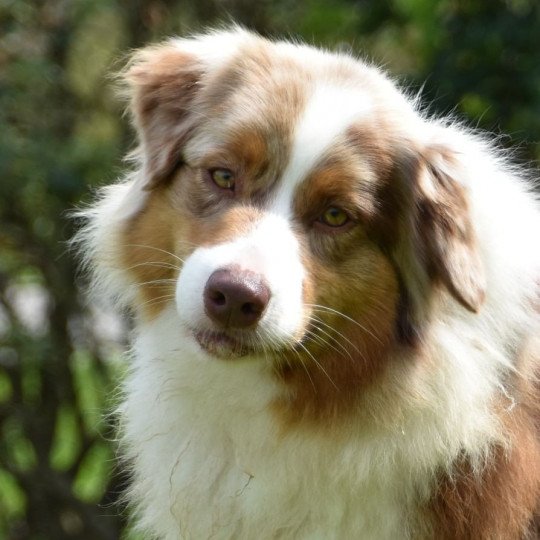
<point x="162" y="235"/>
<point x="350" y="275"/>
<point x="501" y="500"/>
<point x="446" y="230"/>
<point x="497" y="502"/>
<point x="325" y="382"/>
<point x="149" y="253"/>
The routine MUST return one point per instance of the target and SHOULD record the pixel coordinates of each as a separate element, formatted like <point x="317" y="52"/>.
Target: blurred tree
<point x="61" y="132"/>
<point x="473" y="59"/>
<point x="55" y="462"/>
<point x="486" y="64"/>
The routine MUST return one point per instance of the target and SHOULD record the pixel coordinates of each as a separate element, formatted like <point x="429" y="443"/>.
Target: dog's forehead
<point x="285" y="123"/>
<point x="329" y="113"/>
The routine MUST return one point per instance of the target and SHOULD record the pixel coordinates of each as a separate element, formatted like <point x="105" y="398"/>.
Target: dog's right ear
<point x="161" y="83"/>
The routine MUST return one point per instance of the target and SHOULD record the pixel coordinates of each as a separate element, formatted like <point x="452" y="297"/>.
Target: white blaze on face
<point x="270" y="248"/>
<point x="330" y="111"/>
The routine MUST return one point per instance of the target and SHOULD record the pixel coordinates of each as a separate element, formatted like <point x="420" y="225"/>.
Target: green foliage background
<point x="62" y="134"/>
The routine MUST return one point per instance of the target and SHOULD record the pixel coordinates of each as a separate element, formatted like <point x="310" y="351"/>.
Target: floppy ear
<point x="429" y="233"/>
<point x="161" y="85"/>
<point x="444" y="227"/>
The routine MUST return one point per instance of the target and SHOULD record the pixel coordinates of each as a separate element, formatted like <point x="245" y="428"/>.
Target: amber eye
<point x="334" y="217"/>
<point x="223" y="178"/>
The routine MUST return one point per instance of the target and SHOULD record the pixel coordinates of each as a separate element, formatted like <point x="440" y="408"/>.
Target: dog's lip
<point x="221" y="344"/>
<point x="229" y="344"/>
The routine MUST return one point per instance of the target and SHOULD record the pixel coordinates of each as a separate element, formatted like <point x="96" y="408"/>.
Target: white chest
<point x="211" y="461"/>
<point x="214" y="464"/>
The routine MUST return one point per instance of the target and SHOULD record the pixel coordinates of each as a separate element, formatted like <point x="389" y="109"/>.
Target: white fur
<point x="210" y="459"/>
<point x="214" y="49"/>
<point x="224" y="468"/>
<point x="98" y="241"/>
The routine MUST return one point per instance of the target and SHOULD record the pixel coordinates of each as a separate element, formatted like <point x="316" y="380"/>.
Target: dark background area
<point x="62" y="134"/>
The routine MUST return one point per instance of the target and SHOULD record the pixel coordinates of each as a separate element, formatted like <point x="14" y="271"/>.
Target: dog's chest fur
<point x="212" y="461"/>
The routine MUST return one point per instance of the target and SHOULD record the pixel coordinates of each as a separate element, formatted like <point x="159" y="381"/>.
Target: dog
<point x="335" y="301"/>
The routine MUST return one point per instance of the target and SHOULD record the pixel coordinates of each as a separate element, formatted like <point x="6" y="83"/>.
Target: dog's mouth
<point x="230" y="344"/>
<point x="223" y="345"/>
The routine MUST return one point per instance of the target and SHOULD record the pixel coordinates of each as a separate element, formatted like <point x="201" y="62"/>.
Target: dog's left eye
<point x="223" y="178"/>
<point x="334" y="217"/>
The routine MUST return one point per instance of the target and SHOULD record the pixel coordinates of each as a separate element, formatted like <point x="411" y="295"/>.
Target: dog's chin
<point x="223" y="345"/>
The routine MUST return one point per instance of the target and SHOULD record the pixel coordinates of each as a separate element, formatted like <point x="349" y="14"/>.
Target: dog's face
<point x="293" y="211"/>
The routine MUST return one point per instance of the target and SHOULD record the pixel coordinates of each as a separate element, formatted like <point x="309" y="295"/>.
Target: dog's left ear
<point x="444" y="226"/>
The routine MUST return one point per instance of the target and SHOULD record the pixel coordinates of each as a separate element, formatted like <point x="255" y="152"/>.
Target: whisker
<point x="331" y="310"/>
<point x="326" y="343"/>
<point x="156" y="264"/>
<point x="318" y="363"/>
<point x="156" y="249"/>
<point x="314" y="336"/>
<point x="305" y="369"/>
<point x="157" y="300"/>
<point x="164" y="281"/>
<point x="337" y="332"/>
<point x="310" y="334"/>
<point x="275" y="336"/>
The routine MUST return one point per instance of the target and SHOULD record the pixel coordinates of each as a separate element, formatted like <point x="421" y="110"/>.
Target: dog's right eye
<point x="223" y="178"/>
<point x="334" y="217"/>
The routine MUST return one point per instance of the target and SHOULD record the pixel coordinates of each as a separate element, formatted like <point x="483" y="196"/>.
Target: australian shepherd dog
<point x="335" y="301"/>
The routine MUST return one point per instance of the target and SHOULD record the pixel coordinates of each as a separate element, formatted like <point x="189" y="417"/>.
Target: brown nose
<point x="235" y="298"/>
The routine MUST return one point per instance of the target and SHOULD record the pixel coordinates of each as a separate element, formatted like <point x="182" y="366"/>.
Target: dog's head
<point x="292" y="204"/>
